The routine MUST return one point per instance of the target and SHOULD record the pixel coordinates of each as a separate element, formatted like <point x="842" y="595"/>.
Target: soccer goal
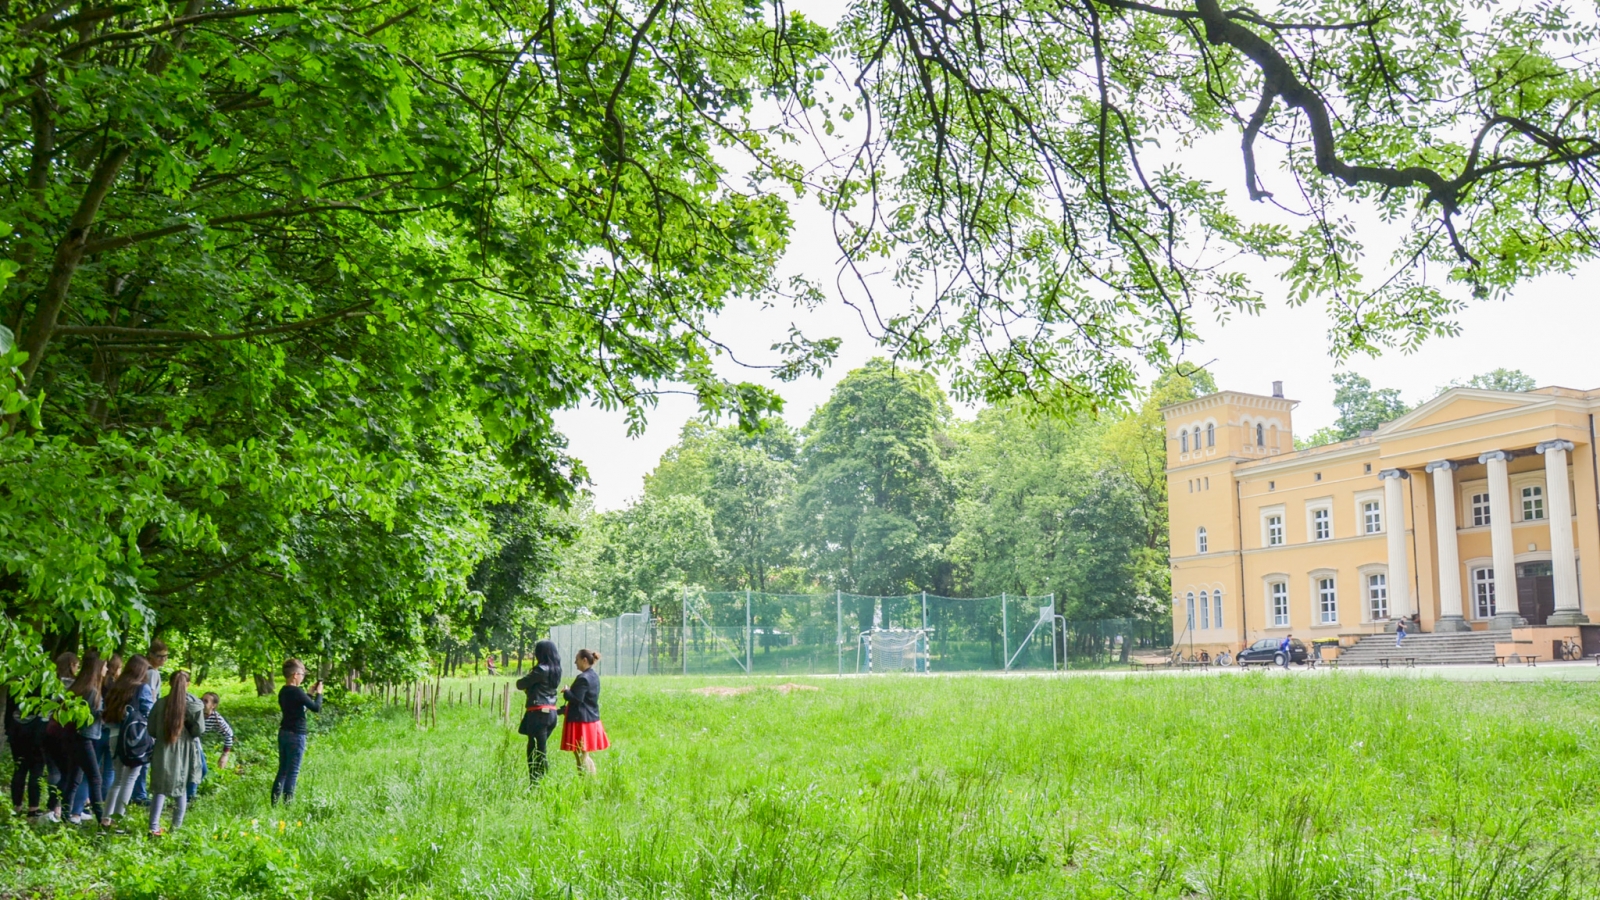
<point x="886" y="650"/>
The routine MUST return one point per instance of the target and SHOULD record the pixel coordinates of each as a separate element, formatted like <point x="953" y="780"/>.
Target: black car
<point x="1265" y="652"/>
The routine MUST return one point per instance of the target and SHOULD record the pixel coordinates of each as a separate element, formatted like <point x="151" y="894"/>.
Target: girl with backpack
<point x="583" y="734"/>
<point x="539" y="713"/>
<point x="176" y="722"/>
<point x="128" y="706"/>
<point x="73" y="745"/>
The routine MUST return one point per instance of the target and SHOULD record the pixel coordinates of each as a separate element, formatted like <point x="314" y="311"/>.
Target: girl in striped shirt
<point x="214" y="722"/>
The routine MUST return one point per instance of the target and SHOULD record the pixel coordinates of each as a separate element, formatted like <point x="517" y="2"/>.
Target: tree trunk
<point x="264" y="685"/>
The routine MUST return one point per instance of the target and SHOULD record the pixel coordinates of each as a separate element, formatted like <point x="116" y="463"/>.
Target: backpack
<point x="136" y="743"/>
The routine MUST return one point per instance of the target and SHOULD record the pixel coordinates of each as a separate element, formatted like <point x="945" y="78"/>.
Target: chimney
<point x="1277" y="389"/>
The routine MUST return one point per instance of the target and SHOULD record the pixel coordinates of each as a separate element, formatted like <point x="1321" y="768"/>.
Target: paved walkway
<point x="1544" y="671"/>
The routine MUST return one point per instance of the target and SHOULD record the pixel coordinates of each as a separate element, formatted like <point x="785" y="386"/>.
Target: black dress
<point x="538" y="716"/>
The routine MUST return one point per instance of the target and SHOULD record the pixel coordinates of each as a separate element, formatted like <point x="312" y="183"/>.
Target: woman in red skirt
<point x="583" y="734"/>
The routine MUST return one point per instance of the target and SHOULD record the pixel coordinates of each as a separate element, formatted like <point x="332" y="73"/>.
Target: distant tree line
<point x="885" y="492"/>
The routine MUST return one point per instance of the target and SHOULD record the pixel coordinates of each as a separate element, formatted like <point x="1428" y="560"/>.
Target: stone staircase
<point x="1443" y="649"/>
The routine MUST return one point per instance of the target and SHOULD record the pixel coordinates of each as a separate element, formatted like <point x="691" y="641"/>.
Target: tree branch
<point x="156" y="335"/>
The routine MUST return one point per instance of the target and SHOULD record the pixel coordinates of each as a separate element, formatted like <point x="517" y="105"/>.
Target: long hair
<point x="90" y="675"/>
<point x="177" y="705"/>
<point x="546" y="654"/>
<point x="65" y="663"/>
<point x="126" y="687"/>
<point x="113" y="669"/>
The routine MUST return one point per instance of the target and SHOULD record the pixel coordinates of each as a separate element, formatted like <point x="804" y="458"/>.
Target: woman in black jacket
<point x="583" y="734"/>
<point x="539" y="714"/>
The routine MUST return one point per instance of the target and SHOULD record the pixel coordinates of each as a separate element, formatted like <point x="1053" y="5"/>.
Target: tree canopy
<point x="289" y="294"/>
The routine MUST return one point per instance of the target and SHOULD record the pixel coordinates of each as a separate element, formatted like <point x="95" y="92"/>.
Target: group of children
<point x="144" y="747"/>
<point x="139" y="746"/>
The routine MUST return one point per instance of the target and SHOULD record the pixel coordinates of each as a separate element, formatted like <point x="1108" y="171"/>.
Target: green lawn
<point x="1261" y="786"/>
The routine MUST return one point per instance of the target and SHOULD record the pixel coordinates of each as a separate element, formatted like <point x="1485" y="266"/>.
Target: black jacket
<point x="293" y="701"/>
<point x="541" y="686"/>
<point x="583" y="698"/>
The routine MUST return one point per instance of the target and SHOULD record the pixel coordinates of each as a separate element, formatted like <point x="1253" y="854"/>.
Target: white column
<point x="1563" y="558"/>
<point x="1506" y="615"/>
<point x="1444" y="520"/>
<point x="1394" y="526"/>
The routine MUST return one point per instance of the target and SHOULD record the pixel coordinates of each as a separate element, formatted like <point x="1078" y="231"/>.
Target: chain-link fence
<point x="750" y="632"/>
<point x="625" y="643"/>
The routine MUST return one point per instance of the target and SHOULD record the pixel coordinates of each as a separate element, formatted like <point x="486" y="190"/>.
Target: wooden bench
<point x="1531" y="660"/>
<point x="1500" y="661"/>
<point x="1383" y="662"/>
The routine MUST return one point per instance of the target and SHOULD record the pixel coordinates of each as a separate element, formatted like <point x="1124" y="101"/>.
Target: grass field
<point x="1257" y="786"/>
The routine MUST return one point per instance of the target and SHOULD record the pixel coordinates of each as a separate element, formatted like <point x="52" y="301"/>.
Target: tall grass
<point x="1258" y="788"/>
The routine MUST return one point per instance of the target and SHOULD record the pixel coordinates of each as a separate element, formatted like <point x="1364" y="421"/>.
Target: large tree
<point x="295" y="290"/>
<point x="873" y="506"/>
<point x="1362" y="408"/>
<point x="746" y="480"/>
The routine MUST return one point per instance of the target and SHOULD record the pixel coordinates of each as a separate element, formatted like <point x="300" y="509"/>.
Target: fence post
<point x="925" y="648"/>
<point x="1055" y="659"/>
<point x="684" y="650"/>
<point x="748" y="634"/>
<point x="838" y="607"/>
<point x="1005" y="633"/>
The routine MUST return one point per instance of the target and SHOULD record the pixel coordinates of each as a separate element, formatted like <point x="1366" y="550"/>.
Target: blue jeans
<point x="291" y="750"/>
<point x="194" y="786"/>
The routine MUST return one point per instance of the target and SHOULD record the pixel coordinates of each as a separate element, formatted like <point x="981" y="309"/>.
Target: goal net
<point x="894" y="650"/>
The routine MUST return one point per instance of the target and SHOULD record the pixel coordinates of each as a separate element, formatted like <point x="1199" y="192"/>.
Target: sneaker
<point x="50" y="816"/>
<point x="80" y="818"/>
<point x="158" y="832"/>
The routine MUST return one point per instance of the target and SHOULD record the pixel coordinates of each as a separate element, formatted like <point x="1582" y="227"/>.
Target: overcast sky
<point x="1550" y="330"/>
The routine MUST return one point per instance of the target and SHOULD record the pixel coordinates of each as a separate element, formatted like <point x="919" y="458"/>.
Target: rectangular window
<point x="1378" y="596"/>
<point x="1205" y="610"/>
<point x="1532" y="503"/>
<point x="1280" y="605"/>
<point x="1216" y="598"/>
<point x="1483" y="593"/>
<point x="1480" y="509"/>
<point x="1275" y="531"/>
<point x="1200" y="542"/>
<point x="1189" y="601"/>
<point x="1321" y="524"/>
<point x="1327" y="602"/>
<point x="1371" y="517"/>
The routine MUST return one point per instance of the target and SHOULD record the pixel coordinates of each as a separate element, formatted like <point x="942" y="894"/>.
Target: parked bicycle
<point x="1571" y="649"/>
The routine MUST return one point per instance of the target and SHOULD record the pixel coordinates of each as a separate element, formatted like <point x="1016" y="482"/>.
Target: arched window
<point x="1205" y="610"/>
<point x="1200" y="540"/>
<point x="1211" y="435"/>
<point x="1261" y="435"/>
<point x="1189" y="602"/>
<point x="1216" y="598"/>
<point x="1183" y="438"/>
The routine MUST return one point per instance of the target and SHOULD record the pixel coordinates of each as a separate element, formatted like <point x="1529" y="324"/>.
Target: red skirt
<point x="586" y="736"/>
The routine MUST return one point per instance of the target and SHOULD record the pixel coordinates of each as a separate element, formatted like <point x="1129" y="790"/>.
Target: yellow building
<point x="1473" y="498"/>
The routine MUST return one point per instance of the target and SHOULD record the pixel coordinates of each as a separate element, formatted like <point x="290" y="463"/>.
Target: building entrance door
<point x="1536" y="592"/>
